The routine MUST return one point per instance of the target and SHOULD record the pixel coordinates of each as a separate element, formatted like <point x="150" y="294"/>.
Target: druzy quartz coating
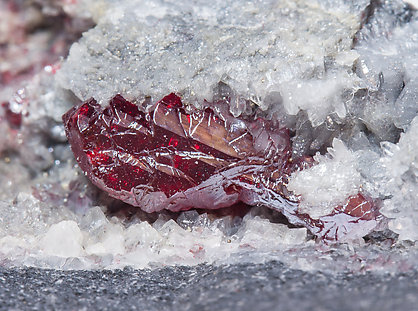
<point x="170" y="158"/>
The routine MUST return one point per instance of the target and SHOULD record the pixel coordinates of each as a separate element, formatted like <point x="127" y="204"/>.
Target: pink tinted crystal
<point x="172" y="159"/>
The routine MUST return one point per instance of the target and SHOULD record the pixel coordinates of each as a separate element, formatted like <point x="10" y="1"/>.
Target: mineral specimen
<point x="340" y="75"/>
<point x="170" y="158"/>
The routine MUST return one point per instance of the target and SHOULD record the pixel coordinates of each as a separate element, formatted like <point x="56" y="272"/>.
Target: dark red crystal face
<point x="166" y="158"/>
<point x="354" y="219"/>
<point x="170" y="159"/>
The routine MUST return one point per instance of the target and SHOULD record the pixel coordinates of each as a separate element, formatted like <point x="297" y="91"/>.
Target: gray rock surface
<point x="269" y="286"/>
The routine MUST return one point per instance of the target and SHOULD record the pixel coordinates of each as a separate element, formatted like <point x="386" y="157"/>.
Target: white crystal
<point x="389" y="67"/>
<point x="194" y="49"/>
<point x="414" y="3"/>
<point x="261" y="231"/>
<point x="63" y="239"/>
<point x="401" y="163"/>
<point x="328" y="183"/>
<point x="286" y="56"/>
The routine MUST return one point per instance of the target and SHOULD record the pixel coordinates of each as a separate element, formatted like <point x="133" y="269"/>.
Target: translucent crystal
<point x="402" y="172"/>
<point x="328" y="183"/>
<point x="236" y="43"/>
<point x="174" y="160"/>
<point x="388" y="65"/>
<point x="256" y="228"/>
<point x="63" y="239"/>
<point x="170" y="159"/>
<point x="328" y="69"/>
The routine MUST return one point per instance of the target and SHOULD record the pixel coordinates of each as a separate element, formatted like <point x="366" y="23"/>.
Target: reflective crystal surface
<point x="170" y="158"/>
<point x="340" y="75"/>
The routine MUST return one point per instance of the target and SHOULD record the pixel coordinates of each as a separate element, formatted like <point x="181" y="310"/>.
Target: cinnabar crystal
<point x="14" y="119"/>
<point x="172" y="159"/>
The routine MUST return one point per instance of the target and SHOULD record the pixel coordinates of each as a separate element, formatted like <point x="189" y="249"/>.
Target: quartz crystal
<point x="168" y="158"/>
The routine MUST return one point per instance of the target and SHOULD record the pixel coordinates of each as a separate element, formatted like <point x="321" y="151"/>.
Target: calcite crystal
<point x="170" y="158"/>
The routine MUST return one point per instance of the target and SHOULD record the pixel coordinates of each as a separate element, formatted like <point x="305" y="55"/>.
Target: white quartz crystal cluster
<point x="329" y="183"/>
<point x="387" y="64"/>
<point x="37" y="234"/>
<point x="401" y="163"/>
<point x="153" y="48"/>
<point x="342" y="75"/>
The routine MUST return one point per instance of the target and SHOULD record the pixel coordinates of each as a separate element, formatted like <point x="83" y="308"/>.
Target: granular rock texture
<point x="235" y="287"/>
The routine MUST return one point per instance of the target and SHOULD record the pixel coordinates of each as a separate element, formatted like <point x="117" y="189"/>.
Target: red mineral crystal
<point x="14" y="119"/>
<point x="172" y="159"/>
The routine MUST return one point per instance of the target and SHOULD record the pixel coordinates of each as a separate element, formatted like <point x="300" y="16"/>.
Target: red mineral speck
<point x="172" y="159"/>
<point x="14" y="119"/>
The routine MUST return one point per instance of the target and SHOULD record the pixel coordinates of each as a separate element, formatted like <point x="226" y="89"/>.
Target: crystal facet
<point x="172" y="159"/>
